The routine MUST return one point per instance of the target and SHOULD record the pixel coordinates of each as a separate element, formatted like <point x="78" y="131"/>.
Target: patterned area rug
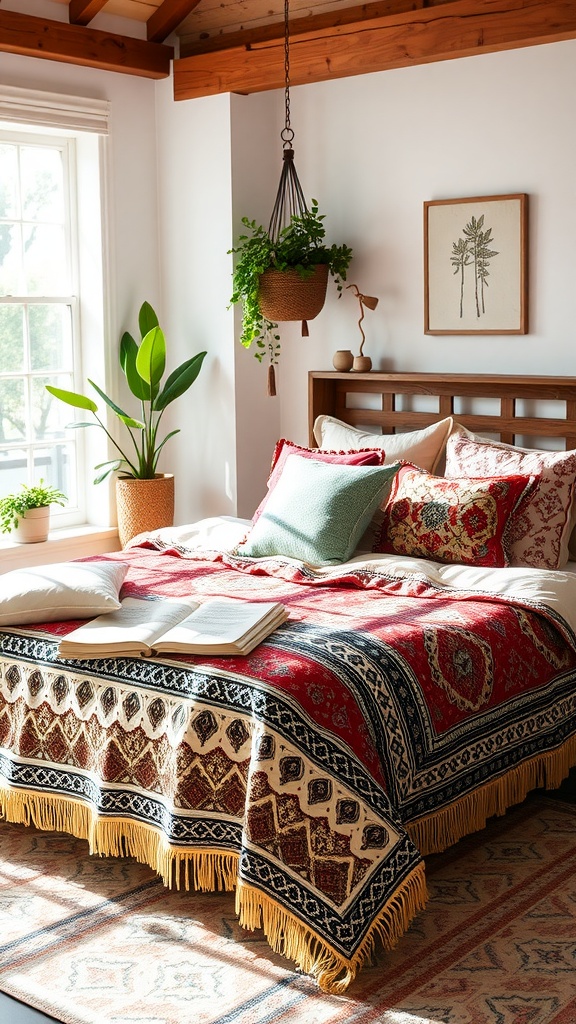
<point x="101" y="941"/>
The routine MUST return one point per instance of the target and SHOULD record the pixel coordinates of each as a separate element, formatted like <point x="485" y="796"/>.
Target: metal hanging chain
<point x="287" y="135"/>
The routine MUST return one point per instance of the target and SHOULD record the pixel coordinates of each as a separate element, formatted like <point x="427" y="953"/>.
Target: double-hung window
<point x="51" y="302"/>
<point x="38" y="312"/>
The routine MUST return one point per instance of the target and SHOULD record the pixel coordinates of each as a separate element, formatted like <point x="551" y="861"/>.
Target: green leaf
<point x="143" y="366"/>
<point x="73" y="398"/>
<point x="103" y="476"/>
<point x="116" y="409"/>
<point x="147" y="319"/>
<point x="179" y="381"/>
<point x="128" y="353"/>
<point x="160" y="447"/>
<point x="151" y="358"/>
<point x="167" y="438"/>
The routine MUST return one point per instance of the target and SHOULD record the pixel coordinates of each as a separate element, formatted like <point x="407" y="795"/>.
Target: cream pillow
<point x="63" y="590"/>
<point x="424" y="448"/>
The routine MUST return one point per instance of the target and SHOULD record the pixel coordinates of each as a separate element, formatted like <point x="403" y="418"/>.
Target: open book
<point x="150" y="627"/>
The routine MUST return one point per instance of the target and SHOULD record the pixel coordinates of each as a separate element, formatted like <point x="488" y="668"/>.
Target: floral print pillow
<point x="458" y="520"/>
<point x="541" y="526"/>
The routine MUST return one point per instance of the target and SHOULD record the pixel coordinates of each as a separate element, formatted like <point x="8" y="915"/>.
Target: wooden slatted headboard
<point x="336" y="394"/>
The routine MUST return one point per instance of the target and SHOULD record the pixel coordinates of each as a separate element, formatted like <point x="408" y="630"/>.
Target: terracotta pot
<point x="144" y="505"/>
<point x="33" y="526"/>
<point x="284" y="295"/>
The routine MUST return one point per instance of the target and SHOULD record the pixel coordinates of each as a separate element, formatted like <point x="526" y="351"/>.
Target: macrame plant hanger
<point x="290" y="200"/>
<point x="290" y="197"/>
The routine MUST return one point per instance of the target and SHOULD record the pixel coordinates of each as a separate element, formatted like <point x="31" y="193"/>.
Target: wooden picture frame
<point x="476" y="265"/>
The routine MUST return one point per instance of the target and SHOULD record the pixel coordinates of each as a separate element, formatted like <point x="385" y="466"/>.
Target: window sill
<point x="61" y="546"/>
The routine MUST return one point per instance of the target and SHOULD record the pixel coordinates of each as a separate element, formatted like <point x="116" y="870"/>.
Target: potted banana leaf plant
<point x="144" y="497"/>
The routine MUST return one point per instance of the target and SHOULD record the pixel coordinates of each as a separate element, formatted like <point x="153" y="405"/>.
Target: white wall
<point x="194" y="236"/>
<point x="371" y="149"/>
<point x="257" y="162"/>
<point x="206" y="160"/>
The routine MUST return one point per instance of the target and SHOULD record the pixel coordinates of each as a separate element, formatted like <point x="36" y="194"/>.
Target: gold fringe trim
<point x="444" y="827"/>
<point x="178" y="868"/>
<point x="209" y="871"/>
<point x="289" y="937"/>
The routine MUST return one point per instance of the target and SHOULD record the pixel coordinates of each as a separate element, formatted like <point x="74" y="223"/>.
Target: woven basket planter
<point x="144" y="505"/>
<point x="284" y="295"/>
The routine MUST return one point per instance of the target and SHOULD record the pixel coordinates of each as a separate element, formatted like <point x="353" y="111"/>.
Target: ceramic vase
<point x="362" y="364"/>
<point x="343" y="360"/>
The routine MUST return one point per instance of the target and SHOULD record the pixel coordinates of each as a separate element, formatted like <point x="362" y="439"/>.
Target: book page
<point x="137" y="621"/>
<point x="221" y="620"/>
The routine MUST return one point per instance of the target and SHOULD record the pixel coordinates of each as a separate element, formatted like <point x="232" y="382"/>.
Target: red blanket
<point x="385" y="719"/>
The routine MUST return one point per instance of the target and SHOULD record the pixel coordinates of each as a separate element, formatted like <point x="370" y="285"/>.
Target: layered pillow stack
<point x="496" y="504"/>
<point x="541" y="525"/>
<point x="451" y="520"/>
<point x="317" y="511"/>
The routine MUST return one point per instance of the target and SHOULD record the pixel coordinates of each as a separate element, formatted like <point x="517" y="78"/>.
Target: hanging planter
<point x="281" y="273"/>
<point x="284" y="279"/>
<point x="286" y="295"/>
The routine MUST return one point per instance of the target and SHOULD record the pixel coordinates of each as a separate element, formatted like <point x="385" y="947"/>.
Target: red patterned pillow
<point x="541" y="526"/>
<point x="457" y="520"/>
<point x="284" y="448"/>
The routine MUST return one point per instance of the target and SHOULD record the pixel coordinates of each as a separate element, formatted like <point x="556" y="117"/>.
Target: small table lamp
<point x="362" y="363"/>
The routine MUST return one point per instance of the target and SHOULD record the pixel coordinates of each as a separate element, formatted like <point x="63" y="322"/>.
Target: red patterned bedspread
<point x="385" y="719"/>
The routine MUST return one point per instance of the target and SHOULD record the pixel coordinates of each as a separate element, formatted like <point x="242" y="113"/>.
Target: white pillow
<point x="424" y="448"/>
<point x="63" y="590"/>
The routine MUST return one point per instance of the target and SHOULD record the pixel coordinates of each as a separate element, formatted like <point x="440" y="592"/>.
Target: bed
<point x="406" y="700"/>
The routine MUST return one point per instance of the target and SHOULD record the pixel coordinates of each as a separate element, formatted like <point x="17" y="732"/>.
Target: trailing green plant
<point x="143" y="366"/>
<point x="300" y="246"/>
<point x="14" y="506"/>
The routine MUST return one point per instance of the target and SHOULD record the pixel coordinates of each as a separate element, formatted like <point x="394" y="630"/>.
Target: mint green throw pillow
<point x="318" y="511"/>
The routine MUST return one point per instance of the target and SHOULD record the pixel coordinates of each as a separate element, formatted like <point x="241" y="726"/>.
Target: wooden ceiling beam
<point x="326" y="21"/>
<point x="167" y="17"/>
<point x="81" y="12"/>
<point x="73" y="44"/>
<point x="461" y="28"/>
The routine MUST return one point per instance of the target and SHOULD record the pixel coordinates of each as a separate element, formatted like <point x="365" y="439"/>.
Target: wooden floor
<point x="14" y="1012"/>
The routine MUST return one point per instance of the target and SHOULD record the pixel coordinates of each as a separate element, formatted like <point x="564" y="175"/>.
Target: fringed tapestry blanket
<point x="401" y="705"/>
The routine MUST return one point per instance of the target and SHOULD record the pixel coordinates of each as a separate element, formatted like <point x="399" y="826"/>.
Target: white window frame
<point x="83" y="123"/>
<point x="71" y="514"/>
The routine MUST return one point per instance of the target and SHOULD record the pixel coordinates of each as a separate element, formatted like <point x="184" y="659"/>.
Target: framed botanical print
<point x="476" y="265"/>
